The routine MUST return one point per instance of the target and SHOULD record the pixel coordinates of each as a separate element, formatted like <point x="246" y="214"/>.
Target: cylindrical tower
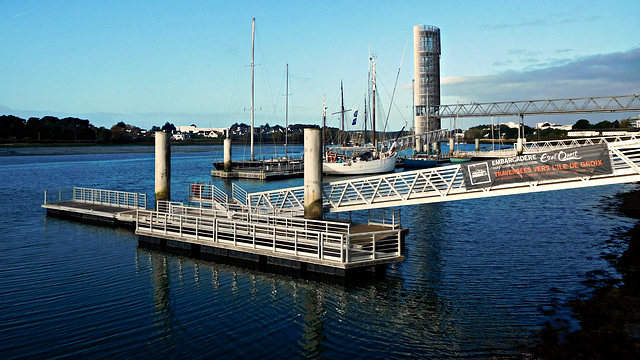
<point x="426" y="72"/>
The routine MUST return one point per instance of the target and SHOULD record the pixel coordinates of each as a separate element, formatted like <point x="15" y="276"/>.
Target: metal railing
<point x="281" y="221"/>
<point x="407" y="142"/>
<point x="238" y="194"/>
<point x="332" y="246"/>
<point x="280" y="202"/>
<point x="539" y="146"/>
<point x="207" y="194"/>
<point x="548" y="106"/>
<point x="97" y="196"/>
<point x="385" y="217"/>
<point x="437" y="184"/>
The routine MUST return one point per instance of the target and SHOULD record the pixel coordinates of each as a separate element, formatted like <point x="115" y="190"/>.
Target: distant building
<point x="583" y="133"/>
<point x="426" y="72"/>
<point x="188" y="132"/>
<point x="547" y="125"/>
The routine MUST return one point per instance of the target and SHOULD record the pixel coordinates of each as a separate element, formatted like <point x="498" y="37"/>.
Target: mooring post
<point x="163" y="166"/>
<point x="313" y="174"/>
<point x="227" y="154"/>
<point x="451" y="142"/>
<point x="520" y="142"/>
<point x="477" y="145"/>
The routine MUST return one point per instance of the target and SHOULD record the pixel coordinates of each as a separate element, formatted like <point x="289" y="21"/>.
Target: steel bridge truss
<point x="437" y="184"/>
<point x="540" y="107"/>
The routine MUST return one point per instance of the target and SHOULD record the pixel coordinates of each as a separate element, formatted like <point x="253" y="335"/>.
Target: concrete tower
<point x="426" y="72"/>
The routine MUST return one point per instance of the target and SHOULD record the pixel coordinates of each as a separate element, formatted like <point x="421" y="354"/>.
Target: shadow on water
<point x="605" y="323"/>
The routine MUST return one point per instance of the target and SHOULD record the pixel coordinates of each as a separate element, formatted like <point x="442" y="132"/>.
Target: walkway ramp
<point x="447" y="183"/>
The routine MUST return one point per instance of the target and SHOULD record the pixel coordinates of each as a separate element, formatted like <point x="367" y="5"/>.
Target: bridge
<point x="623" y="103"/>
<point x="449" y="183"/>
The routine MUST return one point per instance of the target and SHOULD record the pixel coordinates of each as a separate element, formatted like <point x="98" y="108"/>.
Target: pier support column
<point x="520" y="143"/>
<point x="519" y="146"/>
<point x="312" y="174"/>
<point x="477" y="145"/>
<point x="227" y="154"/>
<point x="451" y="140"/>
<point x="163" y="166"/>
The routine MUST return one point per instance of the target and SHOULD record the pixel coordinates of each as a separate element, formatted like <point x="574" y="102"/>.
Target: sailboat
<point x="360" y="160"/>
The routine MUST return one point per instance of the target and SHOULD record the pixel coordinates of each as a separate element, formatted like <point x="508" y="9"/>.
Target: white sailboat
<point x="362" y="160"/>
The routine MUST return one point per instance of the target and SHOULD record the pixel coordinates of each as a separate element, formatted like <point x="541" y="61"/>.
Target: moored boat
<point x="355" y="161"/>
<point x="420" y="160"/>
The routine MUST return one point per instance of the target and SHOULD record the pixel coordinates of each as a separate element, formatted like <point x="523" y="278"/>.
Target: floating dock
<point x="234" y="233"/>
<point x="104" y="207"/>
<point x="261" y="169"/>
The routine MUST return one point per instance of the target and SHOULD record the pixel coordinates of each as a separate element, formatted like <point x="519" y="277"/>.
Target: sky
<point x="188" y="62"/>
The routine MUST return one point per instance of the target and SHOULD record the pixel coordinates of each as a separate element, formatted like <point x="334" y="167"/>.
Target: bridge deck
<point x="447" y="183"/>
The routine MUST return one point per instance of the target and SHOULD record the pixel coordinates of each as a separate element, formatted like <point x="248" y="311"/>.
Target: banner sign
<point x="558" y="164"/>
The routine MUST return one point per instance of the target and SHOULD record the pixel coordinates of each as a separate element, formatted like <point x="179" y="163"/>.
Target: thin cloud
<point x="22" y="14"/>
<point x="598" y="75"/>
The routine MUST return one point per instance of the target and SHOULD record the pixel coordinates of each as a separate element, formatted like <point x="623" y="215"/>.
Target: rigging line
<point x="266" y="73"/>
<point x="396" y="83"/>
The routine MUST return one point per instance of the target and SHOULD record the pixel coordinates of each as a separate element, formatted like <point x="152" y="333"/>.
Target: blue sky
<point x="149" y="62"/>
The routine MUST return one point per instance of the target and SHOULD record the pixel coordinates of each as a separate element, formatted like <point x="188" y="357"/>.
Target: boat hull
<point x="377" y="166"/>
<point x="459" y="160"/>
<point x="419" y="163"/>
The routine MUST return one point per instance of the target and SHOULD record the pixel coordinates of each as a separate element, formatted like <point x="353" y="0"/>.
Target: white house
<point x="192" y="130"/>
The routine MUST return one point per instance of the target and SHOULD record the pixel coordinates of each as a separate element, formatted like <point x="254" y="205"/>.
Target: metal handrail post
<point x="373" y="247"/>
<point x="345" y="241"/>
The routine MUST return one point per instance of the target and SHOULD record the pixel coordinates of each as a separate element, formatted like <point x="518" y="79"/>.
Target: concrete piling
<point x="163" y="166"/>
<point x="477" y="144"/>
<point x="227" y="155"/>
<point x="520" y="146"/>
<point x="313" y="174"/>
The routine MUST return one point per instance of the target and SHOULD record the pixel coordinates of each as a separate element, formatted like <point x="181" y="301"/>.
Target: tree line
<point x="14" y="129"/>
<point x="505" y="132"/>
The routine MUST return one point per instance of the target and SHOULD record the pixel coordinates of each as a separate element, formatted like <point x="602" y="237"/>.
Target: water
<point x="476" y="278"/>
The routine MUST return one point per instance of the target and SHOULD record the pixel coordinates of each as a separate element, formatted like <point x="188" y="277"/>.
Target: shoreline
<point x="609" y="317"/>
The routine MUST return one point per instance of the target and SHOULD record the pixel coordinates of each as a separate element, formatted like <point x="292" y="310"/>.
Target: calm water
<point x="476" y="278"/>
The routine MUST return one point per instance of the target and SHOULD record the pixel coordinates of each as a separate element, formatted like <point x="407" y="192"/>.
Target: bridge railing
<point x="444" y="184"/>
<point x="289" y="202"/>
<point x="550" y="145"/>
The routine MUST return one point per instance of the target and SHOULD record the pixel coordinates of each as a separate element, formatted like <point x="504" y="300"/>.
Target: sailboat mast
<point x="286" y="115"/>
<point x="324" y="123"/>
<point x="342" y="113"/>
<point x="373" y="111"/>
<point x="253" y="38"/>
<point x="364" y="134"/>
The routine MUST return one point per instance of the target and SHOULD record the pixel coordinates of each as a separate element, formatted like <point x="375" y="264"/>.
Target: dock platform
<point x="105" y="207"/>
<point x="270" y="169"/>
<point x="231" y="233"/>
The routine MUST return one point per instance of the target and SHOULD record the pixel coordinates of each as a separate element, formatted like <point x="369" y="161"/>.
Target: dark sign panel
<point x="559" y="164"/>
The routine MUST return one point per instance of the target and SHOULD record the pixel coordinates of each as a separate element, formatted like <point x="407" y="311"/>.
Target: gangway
<point x="446" y="183"/>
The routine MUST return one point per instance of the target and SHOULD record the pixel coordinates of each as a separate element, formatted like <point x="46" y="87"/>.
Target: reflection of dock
<point x="261" y="169"/>
<point x="231" y="232"/>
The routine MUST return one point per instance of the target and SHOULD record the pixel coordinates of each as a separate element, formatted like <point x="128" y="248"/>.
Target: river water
<point x="477" y="277"/>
